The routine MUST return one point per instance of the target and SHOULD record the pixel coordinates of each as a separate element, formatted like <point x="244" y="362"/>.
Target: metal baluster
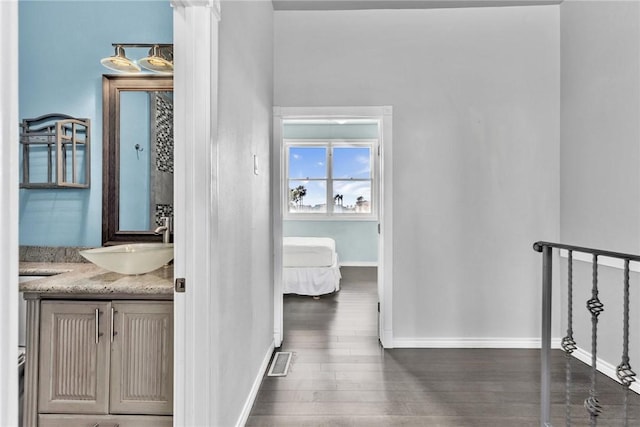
<point x="568" y="343"/>
<point x="595" y="307"/>
<point x="624" y="372"/>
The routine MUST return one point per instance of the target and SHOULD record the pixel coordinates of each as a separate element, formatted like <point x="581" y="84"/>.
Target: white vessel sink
<point x="135" y="258"/>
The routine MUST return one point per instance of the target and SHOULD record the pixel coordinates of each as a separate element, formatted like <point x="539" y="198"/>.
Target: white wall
<point x="475" y="95"/>
<point x="244" y="287"/>
<point x="600" y="124"/>
<point x="600" y="158"/>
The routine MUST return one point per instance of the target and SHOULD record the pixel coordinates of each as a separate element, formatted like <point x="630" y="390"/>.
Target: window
<point x="334" y="178"/>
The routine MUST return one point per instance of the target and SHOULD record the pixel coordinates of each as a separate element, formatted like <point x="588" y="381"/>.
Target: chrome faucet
<point x="165" y="229"/>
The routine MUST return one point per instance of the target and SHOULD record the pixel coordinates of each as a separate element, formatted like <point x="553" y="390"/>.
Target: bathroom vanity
<point x="99" y="347"/>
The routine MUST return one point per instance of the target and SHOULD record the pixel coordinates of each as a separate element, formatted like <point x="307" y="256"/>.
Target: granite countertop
<point x="89" y="279"/>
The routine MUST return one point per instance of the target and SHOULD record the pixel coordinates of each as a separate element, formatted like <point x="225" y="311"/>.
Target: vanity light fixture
<point x="119" y="61"/>
<point x="159" y="59"/>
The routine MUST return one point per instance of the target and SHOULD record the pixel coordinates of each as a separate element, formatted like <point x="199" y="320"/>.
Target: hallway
<point x="339" y="375"/>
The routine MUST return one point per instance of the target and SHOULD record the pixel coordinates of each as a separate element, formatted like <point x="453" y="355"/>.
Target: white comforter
<point x="310" y="266"/>
<point x="308" y="252"/>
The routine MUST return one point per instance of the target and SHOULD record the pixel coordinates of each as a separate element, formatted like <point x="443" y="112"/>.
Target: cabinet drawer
<point x="61" y="420"/>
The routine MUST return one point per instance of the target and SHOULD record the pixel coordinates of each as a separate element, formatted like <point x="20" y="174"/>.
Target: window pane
<point x="308" y="196"/>
<point x="352" y="197"/>
<point x="307" y="162"/>
<point x="352" y="162"/>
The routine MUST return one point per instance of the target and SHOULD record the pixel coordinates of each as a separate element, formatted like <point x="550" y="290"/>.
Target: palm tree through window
<point x="330" y="178"/>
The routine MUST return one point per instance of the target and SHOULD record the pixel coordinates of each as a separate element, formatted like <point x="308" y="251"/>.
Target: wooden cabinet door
<point x="74" y="357"/>
<point x="142" y="358"/>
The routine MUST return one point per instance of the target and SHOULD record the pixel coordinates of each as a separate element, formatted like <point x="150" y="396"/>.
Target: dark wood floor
<point x="339" y="375"/>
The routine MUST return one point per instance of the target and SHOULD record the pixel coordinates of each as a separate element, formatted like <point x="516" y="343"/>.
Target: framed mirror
<point x="137" y="146"/>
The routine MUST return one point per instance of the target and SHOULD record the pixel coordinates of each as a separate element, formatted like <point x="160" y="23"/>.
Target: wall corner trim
<point x="195" y="34"/>
<point x="214" y="5"/>
<point x="251" y="398"/>
<point x="9" y="216"/>
<point x="602" y="260"/>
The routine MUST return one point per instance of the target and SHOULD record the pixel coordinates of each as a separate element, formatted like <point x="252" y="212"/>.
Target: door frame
<point x="385" y="218"/>
<point x="195" y="85"/>
<point x="9" y="217"/>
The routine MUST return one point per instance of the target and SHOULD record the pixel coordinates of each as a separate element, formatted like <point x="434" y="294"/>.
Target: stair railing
<point x="595" y="307"/>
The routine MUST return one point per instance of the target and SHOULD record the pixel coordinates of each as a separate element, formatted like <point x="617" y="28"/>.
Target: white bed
<point x="310" y="266"/>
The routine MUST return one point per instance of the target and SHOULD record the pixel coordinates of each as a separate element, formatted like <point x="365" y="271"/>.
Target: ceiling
<point x="400" y="4"/>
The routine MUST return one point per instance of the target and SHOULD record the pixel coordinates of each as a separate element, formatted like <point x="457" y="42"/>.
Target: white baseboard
<point x="358" y="264"/>
<point x="602" y="260"/>
<point x="602" y="366"/>
<point x="246" y="410"/>
<point x="386" y="339"/>
<point x="471" y="343"/>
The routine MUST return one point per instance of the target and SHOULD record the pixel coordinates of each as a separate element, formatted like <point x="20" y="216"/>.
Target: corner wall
<point x="600" y="160"/>
<point x="244" y="285"/>
<point x="475" y="96"/>
<point x="600" y="131"/>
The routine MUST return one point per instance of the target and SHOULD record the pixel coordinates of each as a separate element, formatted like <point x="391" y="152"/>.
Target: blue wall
<point x="60" y="47"/>
<point x="356" y="241"/>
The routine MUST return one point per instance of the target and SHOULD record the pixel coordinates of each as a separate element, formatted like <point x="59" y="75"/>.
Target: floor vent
<point x="280" y="364"/>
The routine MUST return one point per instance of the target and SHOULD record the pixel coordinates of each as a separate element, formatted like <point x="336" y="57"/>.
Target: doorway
<point x="381" y="118"/>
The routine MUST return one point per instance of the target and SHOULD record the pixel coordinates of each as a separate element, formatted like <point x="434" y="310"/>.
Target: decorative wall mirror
<point x="137" y="144"/>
